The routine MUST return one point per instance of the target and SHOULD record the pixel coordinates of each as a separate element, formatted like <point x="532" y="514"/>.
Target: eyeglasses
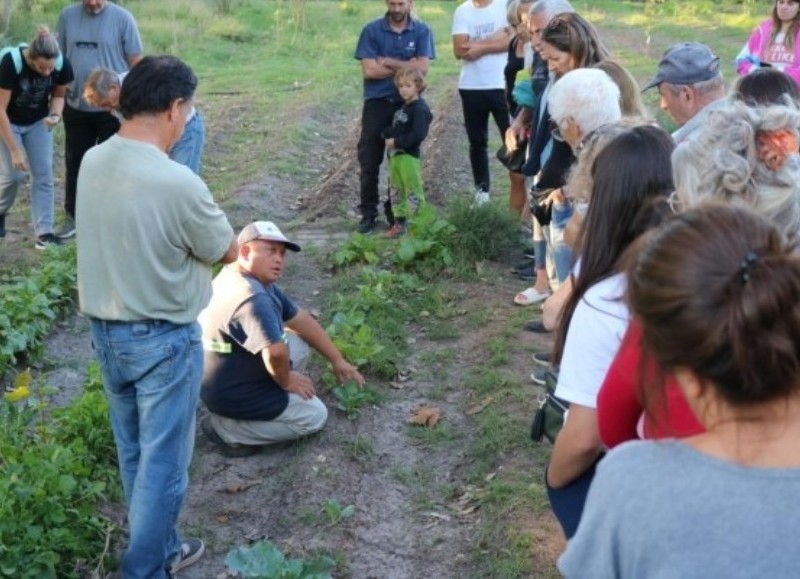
<point x="675" y="203"/>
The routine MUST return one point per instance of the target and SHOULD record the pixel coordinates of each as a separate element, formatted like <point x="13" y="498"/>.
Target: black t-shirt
<point x="245" y="317"/>
<point x="514" y="64"/>
<point x="410" y="127"/>
<point x="30" y="91"/>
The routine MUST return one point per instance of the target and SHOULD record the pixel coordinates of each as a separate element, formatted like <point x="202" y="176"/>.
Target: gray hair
<point x="579" y="180"/>
<point x="713" y="86"/>
<point x="721" y="161"/>
<point x="550" y="8"/>
<point x="98" y="84"/>
<point x="588" y="95"/>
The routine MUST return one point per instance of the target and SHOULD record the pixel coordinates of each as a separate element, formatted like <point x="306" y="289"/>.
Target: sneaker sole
<point x="536" y="380"/>
<point x="541" y="363"/>
<point x="183" y="563"/>
<point x="66" y="235"/>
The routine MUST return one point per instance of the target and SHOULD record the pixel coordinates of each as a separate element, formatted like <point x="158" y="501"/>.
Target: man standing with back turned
<point x="385" y="46"/>
<point x="92" y="34"/>
<point x="148" y="231"/>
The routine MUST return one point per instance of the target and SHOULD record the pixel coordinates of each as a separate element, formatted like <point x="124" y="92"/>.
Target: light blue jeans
<point x="189" y="148"/>
<point x="562" y="253"/>
<point x="151" y="372"/>
<point x="37" y="142"/>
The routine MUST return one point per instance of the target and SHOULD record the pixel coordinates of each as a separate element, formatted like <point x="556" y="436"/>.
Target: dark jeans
<point x="376" y="116"/>
<point x="477" y="106"/>
<point x="83" y="131"/>
<point x="568" y="502"/>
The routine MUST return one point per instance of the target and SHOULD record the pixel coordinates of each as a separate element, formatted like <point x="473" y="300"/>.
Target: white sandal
<point x="530" y="297"/>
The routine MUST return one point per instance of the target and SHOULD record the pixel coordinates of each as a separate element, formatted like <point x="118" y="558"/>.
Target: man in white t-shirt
<point x="480" y="40"/>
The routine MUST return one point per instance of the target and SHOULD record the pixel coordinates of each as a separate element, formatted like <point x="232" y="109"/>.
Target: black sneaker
<point x="536" y="326"/>
<point x="542" y="359"/>
<point x="366" y="225"/>
<point x="191" y="551"/>
<point x="3" y="225"/>
<point x="539" y="376"/>
<point x="47" y="240"/>
<point x="67" y="228"/>
<point x="229" y="450"/>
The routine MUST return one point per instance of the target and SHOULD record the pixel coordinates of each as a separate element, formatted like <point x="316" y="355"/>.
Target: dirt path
<point x="416" y="504"/>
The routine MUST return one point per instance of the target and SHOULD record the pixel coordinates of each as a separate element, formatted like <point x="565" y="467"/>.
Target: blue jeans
<point x="568" y="502"/>
<point x="37" y="142"/>
<point x="151" y="371"/>
<point x="189" y="148"/>
<point x="562" y="253"/>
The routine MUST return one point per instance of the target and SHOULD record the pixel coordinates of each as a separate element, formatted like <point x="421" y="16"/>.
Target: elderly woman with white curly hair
<point x="579" y="102"/>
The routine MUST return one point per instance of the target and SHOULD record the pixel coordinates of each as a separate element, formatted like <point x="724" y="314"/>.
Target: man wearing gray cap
<point x="250" y="382"/>
<point x="688" y="80"/>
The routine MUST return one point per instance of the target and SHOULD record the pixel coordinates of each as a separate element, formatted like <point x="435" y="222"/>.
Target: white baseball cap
<point x="268" y="231"/>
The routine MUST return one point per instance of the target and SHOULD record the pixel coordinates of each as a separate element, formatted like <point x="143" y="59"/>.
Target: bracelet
<point x="51" y="115"/>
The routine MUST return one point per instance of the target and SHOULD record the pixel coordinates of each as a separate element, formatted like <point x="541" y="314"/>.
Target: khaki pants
<point x="301" y="418"/>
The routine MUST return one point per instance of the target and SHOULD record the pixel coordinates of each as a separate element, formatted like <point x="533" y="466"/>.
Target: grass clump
<point x="485" y="233"/>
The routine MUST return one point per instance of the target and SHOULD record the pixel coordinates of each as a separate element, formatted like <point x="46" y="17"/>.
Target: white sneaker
<point x="481" y="198"/>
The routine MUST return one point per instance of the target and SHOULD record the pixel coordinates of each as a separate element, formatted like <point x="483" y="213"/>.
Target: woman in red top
<point x="620" y="408"/>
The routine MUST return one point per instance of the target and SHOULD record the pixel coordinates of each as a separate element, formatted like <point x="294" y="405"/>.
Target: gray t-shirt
<point x="662" y="510"/>
<point x="148" y="231"/>
<point x="92" y="41"/>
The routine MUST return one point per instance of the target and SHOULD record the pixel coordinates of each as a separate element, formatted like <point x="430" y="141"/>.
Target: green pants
<point x="405" y="176"/>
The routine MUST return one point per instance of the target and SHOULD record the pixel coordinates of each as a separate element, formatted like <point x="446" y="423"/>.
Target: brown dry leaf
<point x="425" y="416"/>
<point x="223" y="518"/>
<point x="235" y="488"/>
<point x="474" y="409"/>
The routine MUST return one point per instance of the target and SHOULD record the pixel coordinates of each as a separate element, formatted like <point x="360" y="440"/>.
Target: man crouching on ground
<point x="249" y="384"/>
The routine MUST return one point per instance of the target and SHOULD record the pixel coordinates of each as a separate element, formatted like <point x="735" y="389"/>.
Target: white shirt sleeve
<point x="460" y="22"/>
<point x="593" y="338"/>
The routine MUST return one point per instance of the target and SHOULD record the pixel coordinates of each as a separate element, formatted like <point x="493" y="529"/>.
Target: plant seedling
<point x="336" y="513"/>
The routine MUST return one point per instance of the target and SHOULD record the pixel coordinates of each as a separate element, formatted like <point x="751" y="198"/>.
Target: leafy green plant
<point x="336" y="513"/>
<point x="359" y="249"/>
<point x="264" y="560"/>
<point x="29" y="305"/>
<point x="428" y="245"/>
<point x="354" y="337"/>
<point x="352" y="398"/>
<point x="56" y="469"/>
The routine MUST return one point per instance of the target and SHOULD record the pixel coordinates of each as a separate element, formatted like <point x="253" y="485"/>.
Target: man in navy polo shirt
<point x="385" y="46"/>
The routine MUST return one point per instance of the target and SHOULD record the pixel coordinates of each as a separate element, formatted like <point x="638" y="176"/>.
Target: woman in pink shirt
<point x="774" y="42"/>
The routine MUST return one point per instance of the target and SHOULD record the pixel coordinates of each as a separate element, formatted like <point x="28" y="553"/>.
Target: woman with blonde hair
<point x="630" y="95"/>
<point x="33" y="83"/>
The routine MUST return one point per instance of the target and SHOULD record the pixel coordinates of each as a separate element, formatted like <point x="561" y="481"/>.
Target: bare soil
<point x="417" y="511"/>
